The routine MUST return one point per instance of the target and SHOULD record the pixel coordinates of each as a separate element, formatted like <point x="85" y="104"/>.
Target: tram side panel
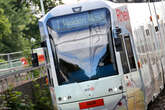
<point x="143" y="64"/>
<point x="161" y="20"/>
<point x="159" y="10"/>
<point x="156" y="14"/>
<point x="139" y="19"/>
<point x="154" y="70"/>
<point x="163" y="51"/>
<point x="132" y="78"/>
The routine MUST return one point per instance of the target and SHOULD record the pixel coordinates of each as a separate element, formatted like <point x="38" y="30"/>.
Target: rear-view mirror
<point x="43" y="44"/>
<point x="35" y="62"/>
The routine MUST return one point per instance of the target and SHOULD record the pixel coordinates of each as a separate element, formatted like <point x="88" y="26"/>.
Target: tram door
<point x="131" y="75"/>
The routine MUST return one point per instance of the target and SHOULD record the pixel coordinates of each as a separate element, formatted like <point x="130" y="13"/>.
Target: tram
<point x="105" y="55"/>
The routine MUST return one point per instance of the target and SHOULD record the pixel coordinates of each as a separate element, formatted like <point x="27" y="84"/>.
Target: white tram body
<point x="105" y="55"/>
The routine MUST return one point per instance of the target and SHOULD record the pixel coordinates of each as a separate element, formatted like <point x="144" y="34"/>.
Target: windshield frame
<point x="110" y="44"/>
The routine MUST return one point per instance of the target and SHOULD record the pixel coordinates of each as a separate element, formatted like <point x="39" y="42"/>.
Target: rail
<point x="9" y="53"/>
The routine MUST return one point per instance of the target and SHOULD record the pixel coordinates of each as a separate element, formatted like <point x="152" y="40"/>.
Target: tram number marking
<point x="91" y="104"/>
<point x="122" y="16"/>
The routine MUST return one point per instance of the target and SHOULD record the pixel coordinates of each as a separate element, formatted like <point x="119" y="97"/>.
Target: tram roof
<point x="68" y="9"/>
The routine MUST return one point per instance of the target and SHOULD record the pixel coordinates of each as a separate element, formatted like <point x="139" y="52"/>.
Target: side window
<point x="48" y="71"/>
<point x="130" y="53"/>
<point x="124" y="59"/>
<point x="127" y="56"/>
<point x="56" y="61"/>
<point x="148" y="40"/>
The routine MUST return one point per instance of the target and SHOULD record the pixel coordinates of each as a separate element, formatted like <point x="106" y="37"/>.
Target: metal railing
<point x="16" y="77"/>
<point x="10" y="60"/>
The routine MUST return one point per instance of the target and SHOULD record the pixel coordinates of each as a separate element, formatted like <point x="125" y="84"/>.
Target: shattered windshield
<point x="82" y="50"/>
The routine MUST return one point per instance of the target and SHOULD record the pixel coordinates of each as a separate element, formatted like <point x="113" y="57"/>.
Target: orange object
<point x="24" y="61"/>
<point x="41" y="58"/>
<point x="47" y="82"/>
<point x="150" y="18"/>
<point x="158" y="17"/>
<point x="139" y="64"/>
<point x="129" y="83"/>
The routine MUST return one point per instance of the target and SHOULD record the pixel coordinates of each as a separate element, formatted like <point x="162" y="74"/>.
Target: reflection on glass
<point x="86" y="68"/>
<point x="84" y="59"/>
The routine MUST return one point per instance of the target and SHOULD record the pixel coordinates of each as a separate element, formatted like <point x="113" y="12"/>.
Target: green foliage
<point x="4" y="24"/>
<point x="18" y="25"/>
<point x="2" y="60"/>
<point x="42" y="98"/>
<point x="27" y="54"/>
<point x="48" y="4"/>
<point x="36" y="73"/>
<point x="18" y="17"/>
<point x="16" y="101"/>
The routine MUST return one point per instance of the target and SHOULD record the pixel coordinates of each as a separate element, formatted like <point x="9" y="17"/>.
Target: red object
<point x="92" y="88"/>
<point x="129" y="83"/>
<point x="41" y="58"/>
<point x="120" y="104"/>
<point x="91" y="104"/>
<point x="24" y="61"/>
<point x="122" y="15"/>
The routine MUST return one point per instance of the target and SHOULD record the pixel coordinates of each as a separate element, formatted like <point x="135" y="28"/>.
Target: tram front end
<point x="82" y="54"/>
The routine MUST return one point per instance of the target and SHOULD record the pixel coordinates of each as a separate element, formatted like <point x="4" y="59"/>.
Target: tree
<point x="33" y="29"/>
<point x="18" y="17"/>
<point x="48" y="4"/>
<point x="18" y="24"/>
<point x="4" y="24"/>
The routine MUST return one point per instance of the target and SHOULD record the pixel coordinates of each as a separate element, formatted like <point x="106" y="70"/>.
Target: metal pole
<point x="42" y="7"/>
<point x="9" y="61"/>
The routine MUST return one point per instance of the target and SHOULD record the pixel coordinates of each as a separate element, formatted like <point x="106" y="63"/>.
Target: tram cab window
<point x="59" y="76"/>
<point x="82" y="48"/>
<point x="48" y="69"/>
